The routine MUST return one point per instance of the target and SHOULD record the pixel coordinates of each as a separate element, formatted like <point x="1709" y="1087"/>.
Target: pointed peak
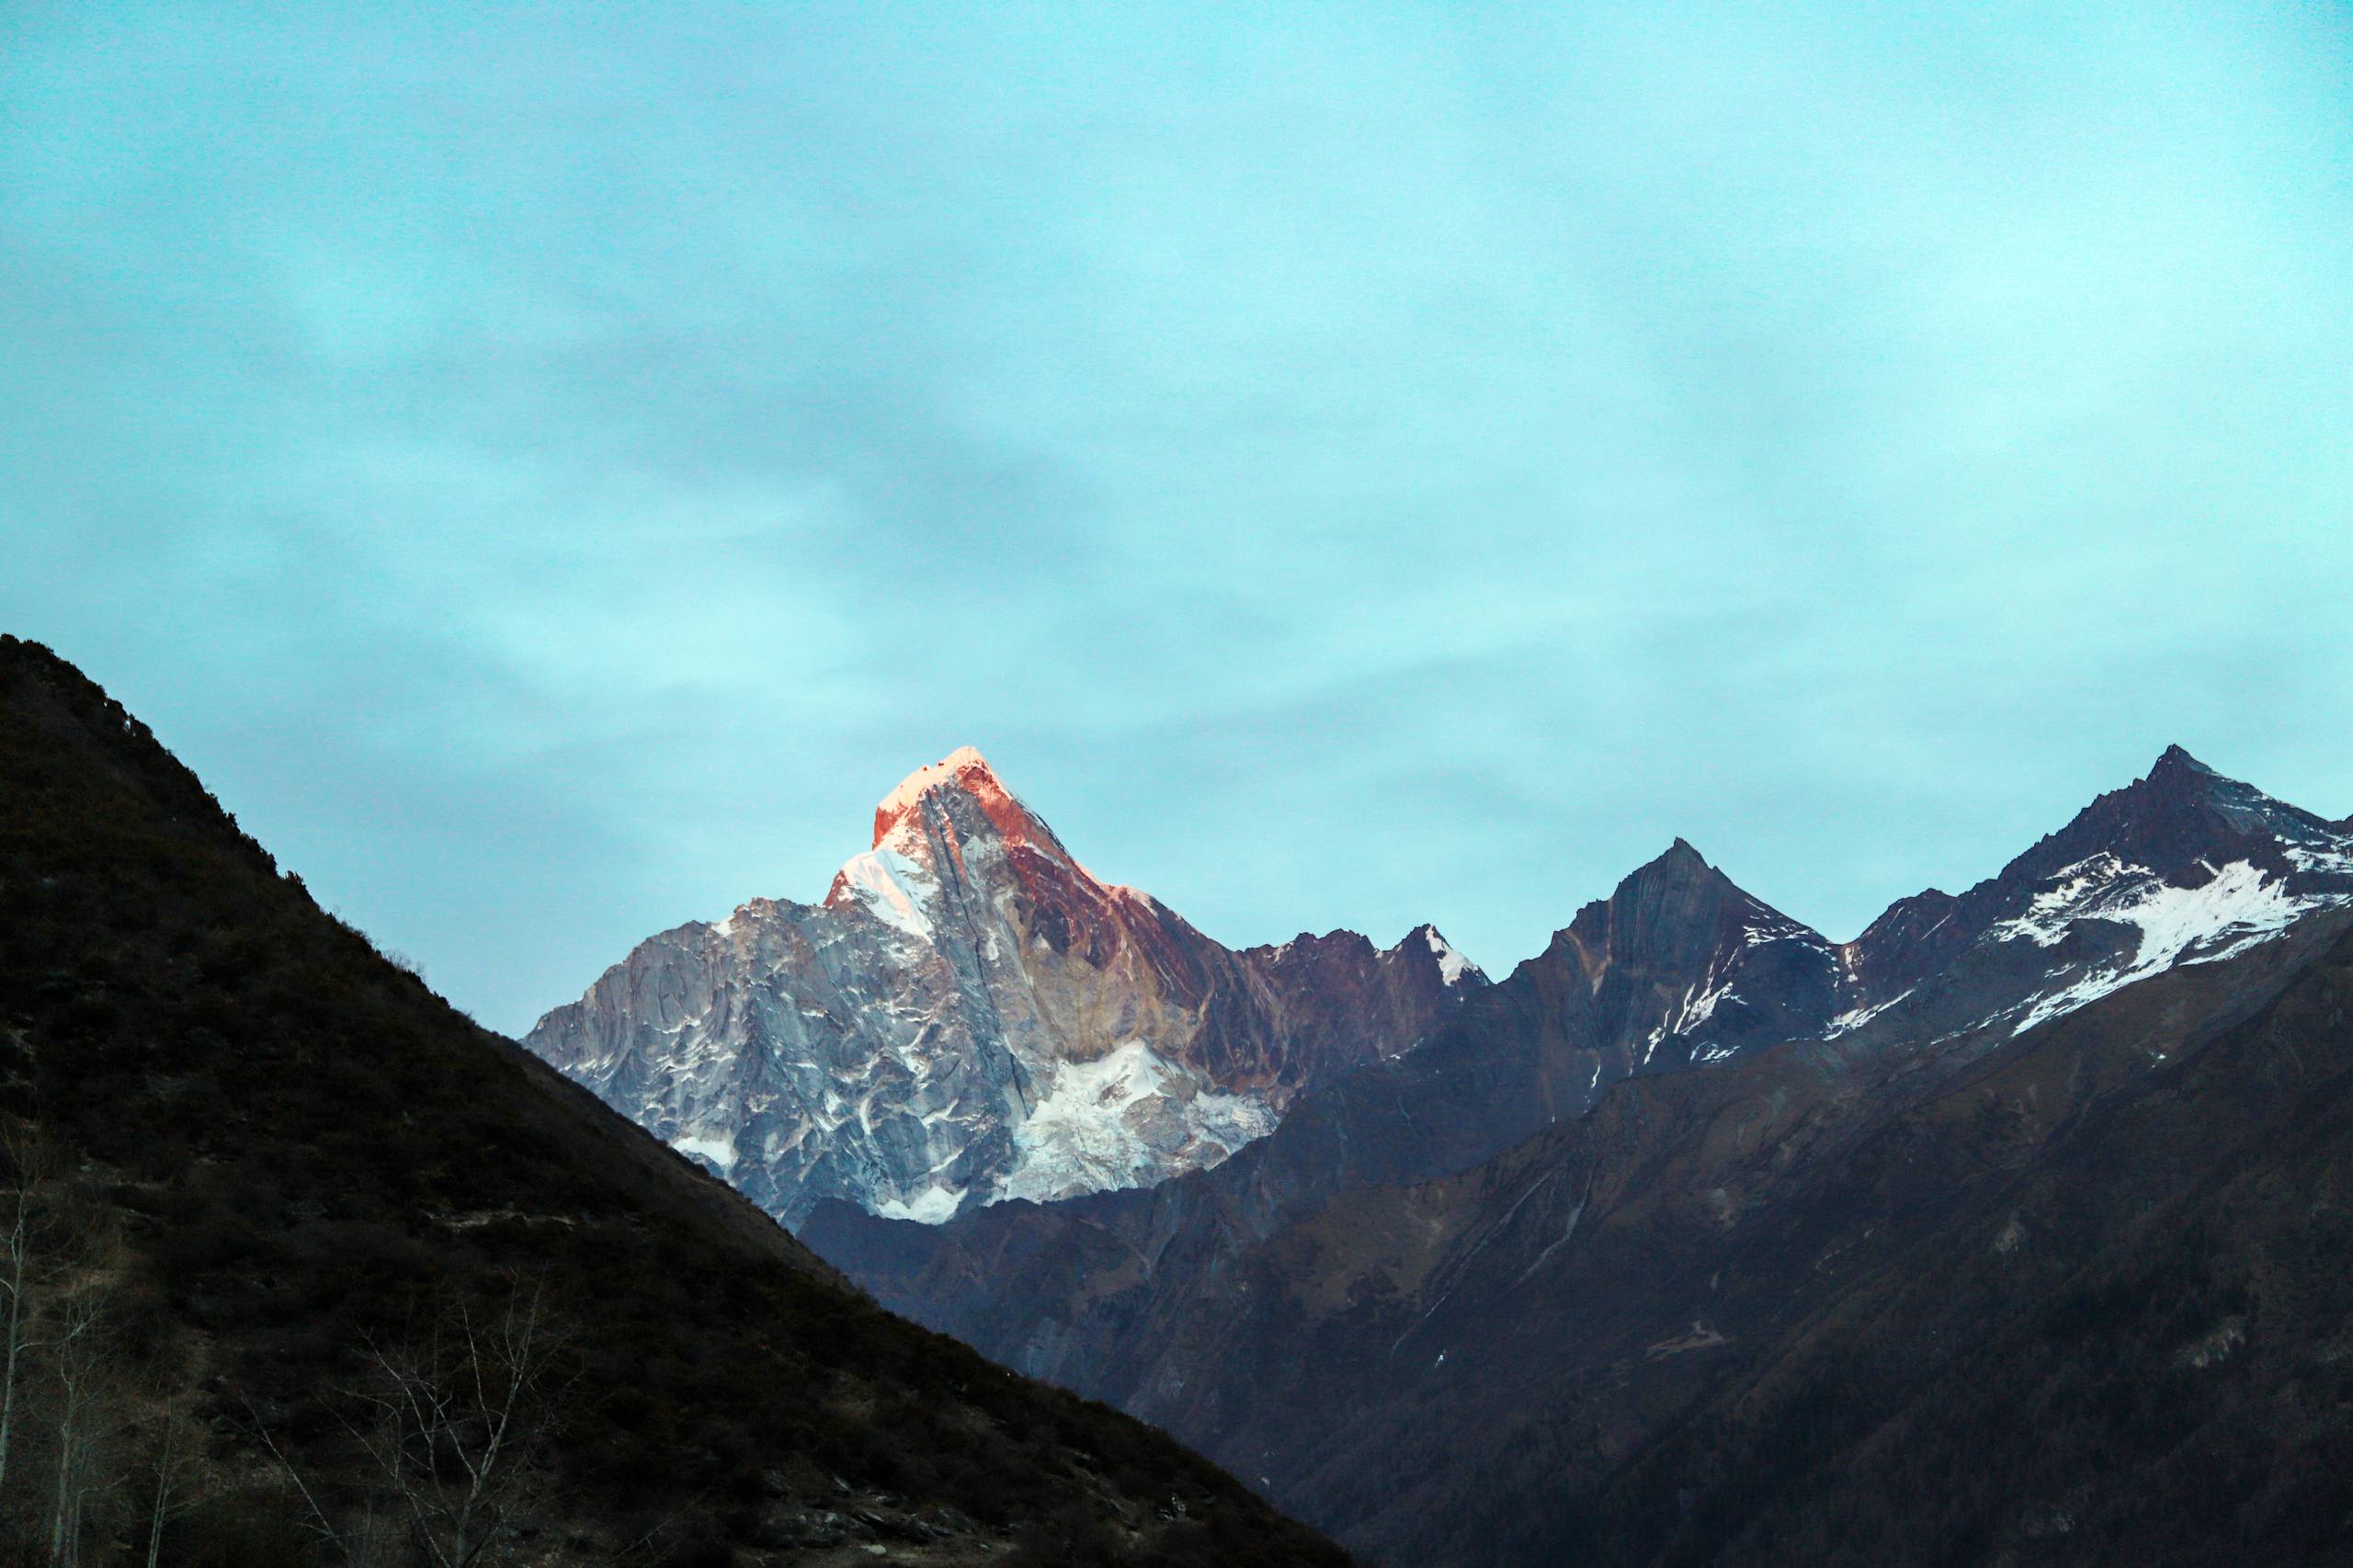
<point x="2175" y="780"/>
<point x="950" y="768"/>
<point x="1453" y="965"/>
<point x="1677" y="866"/>
<point x="2176" y="759"/>
<point x="2178" y="775"/>
<point x="1684" y="876"/>
<point x="2180" y="814"/>
<point x="899" y="821"/>
<point x="1679" y="857"/>
<point x="964" y="769"/>
<point x="1678" y="872"/>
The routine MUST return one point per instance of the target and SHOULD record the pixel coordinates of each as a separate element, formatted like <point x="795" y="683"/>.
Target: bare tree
<point x="322" y="1522"/>
<point x="456" y="1415"/>
<point x="452" y="1418"/>
<point x="28" y="1169"/>
<point x="176" y="1452"/>
<point x="80" y="1369"/>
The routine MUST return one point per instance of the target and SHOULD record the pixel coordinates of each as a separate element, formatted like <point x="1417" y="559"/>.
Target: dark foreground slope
<point x="2069" y="1291"/>
<point x="272" y="1156"/>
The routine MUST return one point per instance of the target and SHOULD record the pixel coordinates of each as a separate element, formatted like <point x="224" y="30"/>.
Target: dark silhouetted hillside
<point x="276" y="1164"/>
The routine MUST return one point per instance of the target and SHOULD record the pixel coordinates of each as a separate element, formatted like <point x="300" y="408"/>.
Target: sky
<point x="551" y="469"/>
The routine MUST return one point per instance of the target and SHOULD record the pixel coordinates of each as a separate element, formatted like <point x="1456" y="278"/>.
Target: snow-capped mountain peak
<point x="952" y="769"/>
<point x="1453" y="968"/>
<point x="956" y="799"/>
<point x="2182" y="866"/>
<point x="968" y="1015"/>
<point x="952" y="825"/>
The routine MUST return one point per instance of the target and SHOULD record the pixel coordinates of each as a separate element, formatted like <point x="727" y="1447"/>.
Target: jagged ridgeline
<point x="304" y="1267"/>
<point x="970" y="1014"/>
<point x="2013" y="1233"/>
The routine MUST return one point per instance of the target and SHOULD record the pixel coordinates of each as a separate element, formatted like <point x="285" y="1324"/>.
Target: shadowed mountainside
<point x="271" y="1153"/>
<point x="2032" y="1253"/>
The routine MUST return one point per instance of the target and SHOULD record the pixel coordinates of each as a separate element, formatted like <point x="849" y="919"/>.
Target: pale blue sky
<point x="551" y="468"/>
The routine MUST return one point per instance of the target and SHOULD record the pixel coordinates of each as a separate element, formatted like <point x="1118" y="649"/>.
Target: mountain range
<point x="2015" y="1231"/>
<point x="1700" y="1238"/>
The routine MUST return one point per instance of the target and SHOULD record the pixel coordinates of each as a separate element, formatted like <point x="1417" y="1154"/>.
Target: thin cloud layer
<point x="551" y="471"/>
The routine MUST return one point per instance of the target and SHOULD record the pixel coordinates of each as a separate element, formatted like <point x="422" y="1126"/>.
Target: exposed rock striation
<point x="970" y="1014"/>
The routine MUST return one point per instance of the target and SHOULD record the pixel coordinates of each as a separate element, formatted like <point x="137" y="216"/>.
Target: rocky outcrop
<point x="972" y="1015"/>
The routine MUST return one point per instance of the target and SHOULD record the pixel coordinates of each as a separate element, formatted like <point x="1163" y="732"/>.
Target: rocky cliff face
<point x="1442" y="1294"/>
<point x="970" y="1015"/>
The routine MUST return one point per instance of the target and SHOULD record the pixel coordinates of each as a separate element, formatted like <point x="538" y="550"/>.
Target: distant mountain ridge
<point x="1679" y="968"/>
<point x="972" y="1015"/>
<point x="1540" y="1184"/>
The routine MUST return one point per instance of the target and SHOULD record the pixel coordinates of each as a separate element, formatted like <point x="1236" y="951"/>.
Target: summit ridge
<point x="970" y="1015"/>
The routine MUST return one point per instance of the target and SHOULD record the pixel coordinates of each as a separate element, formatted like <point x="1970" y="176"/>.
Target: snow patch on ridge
<point x="1856" y="1018"/>
<point x="1775" y="927"/>
<point x="1697" y="1008"/>
<point x="934" y="1205"/>
<point x="1451" y="964"/>
<point x="715" y="1149"/>
<point x="2333" y="862"/>
<point x="2084" y="891"/>
<point x="2224" y="916"/>
<point x="1127" y="1118"/>
<point x="890" y="887"/>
